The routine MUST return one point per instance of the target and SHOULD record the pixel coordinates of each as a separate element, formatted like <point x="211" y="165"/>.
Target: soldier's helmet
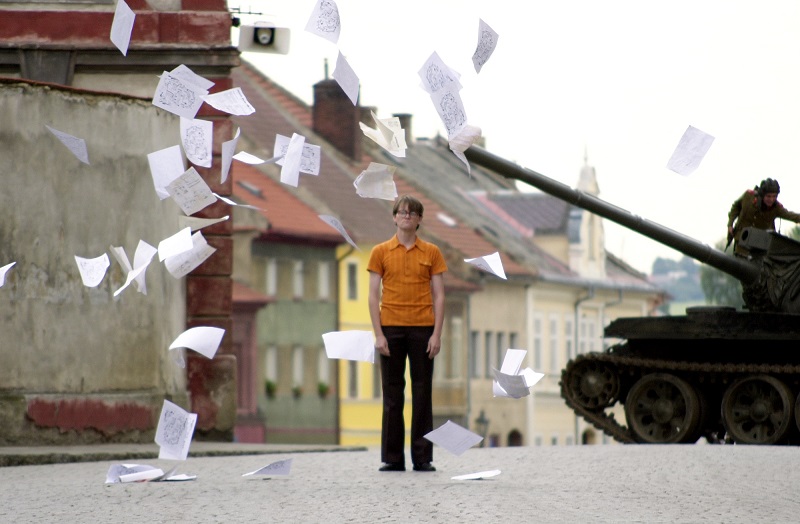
<point x="769" y="185"/>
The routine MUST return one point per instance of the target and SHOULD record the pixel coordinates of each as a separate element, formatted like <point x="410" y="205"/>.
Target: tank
<point x="727" y="375"/>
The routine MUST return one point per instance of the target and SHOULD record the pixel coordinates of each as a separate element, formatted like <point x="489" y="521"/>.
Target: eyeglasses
<point x="404" y="213"/>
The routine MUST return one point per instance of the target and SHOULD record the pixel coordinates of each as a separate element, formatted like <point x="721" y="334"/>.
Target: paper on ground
<point x="197" y="137"/>
<point x="487" y="41"/>
<point x="281" y="467"/>
<point x="477" y="476"/>
<point x="376" y="182"/>
<point x="489" y="263"/>
<point x="203" y="339"/>
<point x="123" y="473"/>
<point x="178" y="96"/>
<point x="3" y="271"/>
<point x="453" y="437"/>
<point x="165" y="166"/>
<point x="692" y="147"/>
<point x="347" y="78"/>
<point x="92" y="270"/>
<point x="76" y="146"/>
<point x="174" y="431"/>
<point x="231" y="101"/>
<point x="324" y="20"/>
<point x="350" y="345"/>
<point x="180" y="265"/>
<point x="122" y="26"/>
<point x="337" y="225"/>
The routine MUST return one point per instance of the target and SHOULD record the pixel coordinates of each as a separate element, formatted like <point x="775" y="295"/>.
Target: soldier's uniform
<point x="749" y="211"/>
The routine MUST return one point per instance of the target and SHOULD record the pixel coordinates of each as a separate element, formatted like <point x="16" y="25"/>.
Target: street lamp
<point x="482" y="425"/>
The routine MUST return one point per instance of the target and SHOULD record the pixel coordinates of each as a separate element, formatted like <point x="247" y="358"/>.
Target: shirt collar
<point x="394" y="243"/>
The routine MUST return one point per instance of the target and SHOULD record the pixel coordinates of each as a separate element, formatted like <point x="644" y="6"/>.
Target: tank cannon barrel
<point x="745" y="271"/>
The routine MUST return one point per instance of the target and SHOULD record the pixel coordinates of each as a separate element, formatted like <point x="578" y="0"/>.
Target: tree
<point x="720" y="288"/>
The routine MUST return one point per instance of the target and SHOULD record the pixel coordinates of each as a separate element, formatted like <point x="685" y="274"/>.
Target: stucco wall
<point x="64" y="344"/>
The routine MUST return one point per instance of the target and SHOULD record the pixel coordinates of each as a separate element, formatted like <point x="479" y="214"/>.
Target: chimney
<point x="336" y="118"/>
<point x="405" y="123"/>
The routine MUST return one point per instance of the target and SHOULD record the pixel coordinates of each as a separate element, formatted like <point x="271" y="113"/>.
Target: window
<point x="297" y="366"/>
<point x="456" y="347"/>
<point x="501" y="350"/>
<point x="513" y="341"/>
<point x="475" y="368"/>
<point x="323" y="367"/>
<point x="488" y="354"/>
<point x="582" y="337"/>
<point x="568" y="440"/>
<point x="537" y="342"/>
<point x="555" y="362"/>
<point x="352" y="281"/>
<point x="554" y="440"/>
<point x="569" y="338"/>
<point x="271" y="364"/>
<point x="272" y="277"/>
<point x="297" y="279"/>
<point x="352" y="379"/>
<point x="323" y="280"/>
<point x="537" y="440"/>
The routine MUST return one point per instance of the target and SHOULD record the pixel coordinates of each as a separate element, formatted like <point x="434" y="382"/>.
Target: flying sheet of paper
<point x="231" y="101"/>
<point x="531" y="377"/>
<point x="388" y="134"/>
<point x="203" y="339"/>
<point x="290" y="168"/>
<point x="513" y="386"/>
<point x="197" y="137"/>
<point x="436" y="75"/>
<point x="692" y="147"/>
<point x="337" y="225"/>
<point x="227" y="150"/>
<point x="512" y="362"/>
<point x="122" y="26"/>
<point x="187" y="75"/>
<point x="232" y="203"/>
<point x="324" y="20"/>
<point x="178" y="96"/>
<point x="253" y="160"/>
<point x="175" y="244"/>
<point x="477" y="476"/>
<point x="281" y="467"/>
<point x="487" y="41"/>
<point x="453" y="437"/>
<point x="92" y="269"/>
<point x="3" y="271"/>
<point x="76" y="146"/>
<point x="142" y="257"/>
<point x="195" y="223"/>
<point x="132" y="276"/>
<point x="489" y="263"/>
<point x="350" y="345"/>
<point x="174" y="431"/>
<point x="191" y="192"/>
<point x="463" y="141"/>
<point x="346" y="78"/>
<point x="450" y="108"/>
<point x="376" y="182"/>
<point x="182" y="264"/>
<point x="309" y="157"/>
<point x="165" y="166"/>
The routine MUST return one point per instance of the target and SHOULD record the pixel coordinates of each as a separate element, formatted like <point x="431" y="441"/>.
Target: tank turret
<point x="727" y="375"/>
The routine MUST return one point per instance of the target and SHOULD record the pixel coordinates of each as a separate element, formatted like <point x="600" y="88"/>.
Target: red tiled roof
<point x="287" y="214"/>
<point x="243" y="294"/>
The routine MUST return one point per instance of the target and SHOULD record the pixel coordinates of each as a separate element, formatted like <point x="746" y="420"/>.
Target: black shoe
<point x="425" y="466"/>
<point x="394" y="466"/>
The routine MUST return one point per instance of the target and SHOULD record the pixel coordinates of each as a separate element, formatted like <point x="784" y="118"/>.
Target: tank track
<point x="608" y="424"/>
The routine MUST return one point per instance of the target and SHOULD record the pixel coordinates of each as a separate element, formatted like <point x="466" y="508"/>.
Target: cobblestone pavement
<point x="615" y="483"/>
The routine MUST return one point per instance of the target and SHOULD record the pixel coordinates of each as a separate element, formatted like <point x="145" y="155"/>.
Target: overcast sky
<point x="620" y="80"/>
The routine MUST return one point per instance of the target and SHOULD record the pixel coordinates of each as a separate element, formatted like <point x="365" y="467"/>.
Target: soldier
<point x="757" y="207"/>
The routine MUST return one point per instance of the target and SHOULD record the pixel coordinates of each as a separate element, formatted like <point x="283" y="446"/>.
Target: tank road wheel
<point x="662" y="409"/>
<point x="757" y="410"/>
<point x="594" y="385"/>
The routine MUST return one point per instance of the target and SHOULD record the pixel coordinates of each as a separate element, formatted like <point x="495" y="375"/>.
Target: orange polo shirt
<point x="406" y="277"/>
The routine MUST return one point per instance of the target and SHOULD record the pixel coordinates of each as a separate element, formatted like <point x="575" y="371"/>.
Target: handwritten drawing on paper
<point x="197" y="137"/>
<point x="324" y="20"/>
<point x="487" y="41"/>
